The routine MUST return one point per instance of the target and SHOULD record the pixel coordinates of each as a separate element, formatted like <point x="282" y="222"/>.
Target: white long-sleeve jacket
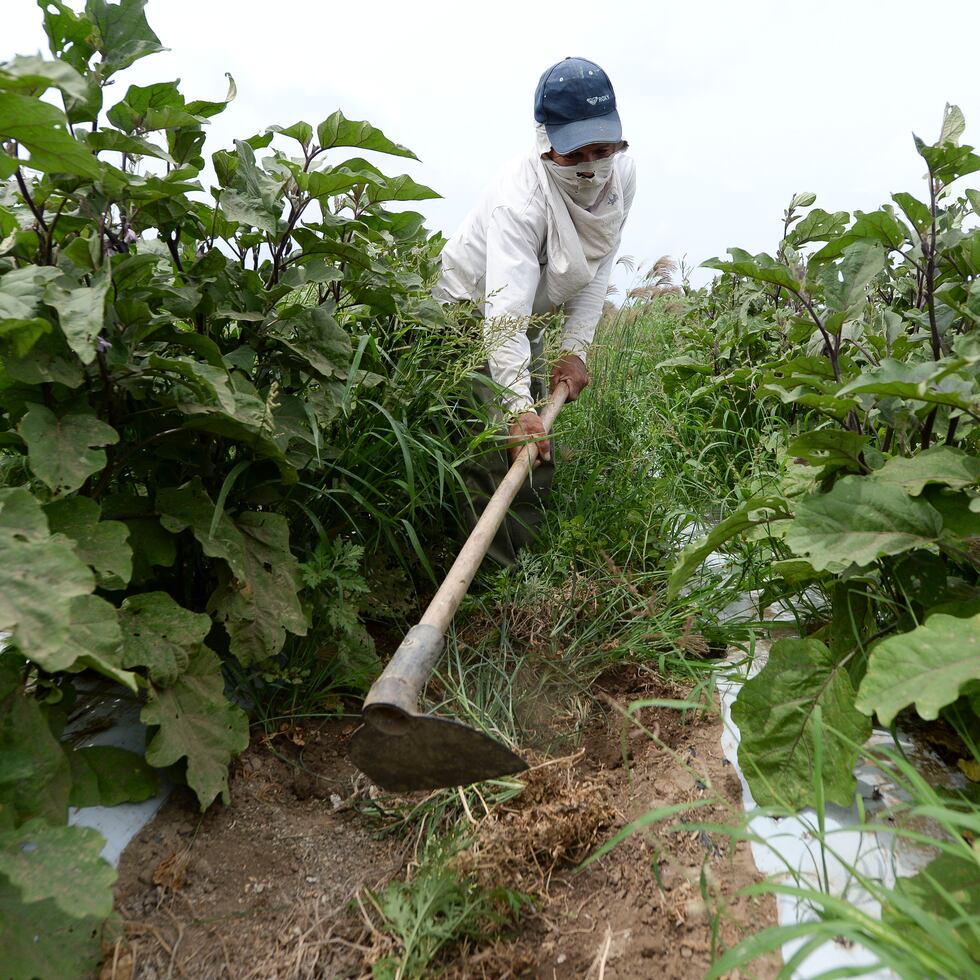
<point x="497" y="258"/>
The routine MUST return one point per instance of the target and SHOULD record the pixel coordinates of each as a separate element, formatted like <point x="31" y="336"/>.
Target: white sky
<point x="729" y="107"/>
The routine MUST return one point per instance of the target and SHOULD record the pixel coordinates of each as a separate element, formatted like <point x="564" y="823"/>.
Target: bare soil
<point x="268" y="887"/>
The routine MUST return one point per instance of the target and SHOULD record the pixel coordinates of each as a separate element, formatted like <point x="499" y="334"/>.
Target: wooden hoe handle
<point x="393" y="697"/>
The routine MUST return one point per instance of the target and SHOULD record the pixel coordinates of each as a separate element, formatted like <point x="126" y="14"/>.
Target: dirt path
<point x="265" y="888"/>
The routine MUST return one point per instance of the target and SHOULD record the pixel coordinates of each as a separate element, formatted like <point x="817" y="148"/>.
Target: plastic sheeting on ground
<point x="791" y="851"/>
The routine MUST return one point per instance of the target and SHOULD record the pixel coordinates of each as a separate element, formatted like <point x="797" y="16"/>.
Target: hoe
<point x="402" y="749"/>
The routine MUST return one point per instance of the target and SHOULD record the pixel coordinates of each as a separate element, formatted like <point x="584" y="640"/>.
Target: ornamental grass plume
<point x="659" y="280"/>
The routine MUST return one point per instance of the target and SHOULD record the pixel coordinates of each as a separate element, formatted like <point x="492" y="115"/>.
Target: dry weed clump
<point x="531" y="623"/>
<point x="556" y="821"/>
<point x="501" y="959"/>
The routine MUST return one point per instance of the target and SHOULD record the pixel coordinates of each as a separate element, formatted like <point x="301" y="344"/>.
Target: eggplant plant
<point x="861" y="334"/>
<point x="178" y="375"/>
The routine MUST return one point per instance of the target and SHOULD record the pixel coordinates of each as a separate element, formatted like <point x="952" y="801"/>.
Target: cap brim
<point x="574" y="135"/>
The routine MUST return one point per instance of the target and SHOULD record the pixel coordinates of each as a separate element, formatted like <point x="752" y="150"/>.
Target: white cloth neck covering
<point x="585" y="215"/>
<point x="584" y="191"/>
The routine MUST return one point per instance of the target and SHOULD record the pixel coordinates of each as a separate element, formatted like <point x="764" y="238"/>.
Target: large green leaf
<point x="337" y="130"/>
<point x="199" y="724"/>
<point x="104" y="545"/>
<point x="39" y="578"/>
<point x="946" y="465"/>
<point x="160" y="635"/>
<point x="930" y="382"/>
<point x="261" y="606"/>
<point x="400" y="188"/>
<point x="833" y="449"/>
<point x="300" y="131"/>
<point x="881" y="226"/>
<point x="954" y="124"/>
<point x="340" y="251"/>
<point x="21" y="516"/>
<point x="20" y="336"/>
<point x="209" y="384"/>
<point x="858" y="521"/>
<point x="845" y="285"/>
<point x="928" y="666"/>
<point x="38" y="583"/>
<point x="758" y="510"/>
<point x="913" y="209"/>
<point x="34" y="776"/>
<point x="41" y="942"/>
<point x="818" y="226"/>
<point x="337" y="180"/>
<point x="49" y="359"/>
<point x="808" y="373"/>
<point x="960" y="513"/>
<point x="81" y="313"/>
<point x="22" y="290"/>
<point x="153" y="119"/>
<point x="948" y="889"/>
<point x="32" y="75"/>
<point x="41" y="128"/>
<point x="65" y="452"/>
<point x="71" y="39"/>
<point x="93" y="640"/>
<point x="315" y="337"/>
<point x="762" y="267"/>
<point x="104" y="775"/>
<point x="142" y="102"/>
<point x="190" y="507"/>
<point x="255" y="196"/>
<point x="949" y="161"/>
<point x="113" y="140"/>
<point x="254" y="424"/>
<point x="775" y="715"/>
<point x="122" y="34"/>
<point x="69" y="33"/>
<point x="60" y="863"/>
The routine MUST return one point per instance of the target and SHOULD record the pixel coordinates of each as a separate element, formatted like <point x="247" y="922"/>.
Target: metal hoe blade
<point x="432" y="753"/>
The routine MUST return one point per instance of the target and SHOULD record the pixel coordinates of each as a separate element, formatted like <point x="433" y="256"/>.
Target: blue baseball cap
<point x="577" y="105"/>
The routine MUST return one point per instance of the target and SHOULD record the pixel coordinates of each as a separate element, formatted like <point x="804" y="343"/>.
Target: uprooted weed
<point x="463" y="892"/>
<point x="433" y="909"/>
<point x="556" y="821"/>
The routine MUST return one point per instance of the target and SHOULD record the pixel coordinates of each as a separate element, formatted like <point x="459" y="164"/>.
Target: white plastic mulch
<point x="118" y="824"/>
<point x="791" y="851"/>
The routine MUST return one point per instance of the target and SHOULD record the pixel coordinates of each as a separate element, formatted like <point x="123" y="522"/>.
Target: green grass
<point x="415" y="920"/>
<point x="930" y="923"/>
<point x="636" y="477"/>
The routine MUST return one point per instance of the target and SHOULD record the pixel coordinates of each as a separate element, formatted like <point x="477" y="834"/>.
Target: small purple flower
<point x="130" y="236"/>
<point x="102" y="345"/>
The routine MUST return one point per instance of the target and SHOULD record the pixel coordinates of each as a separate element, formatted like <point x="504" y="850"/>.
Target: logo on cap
<point x="596" y="99"/>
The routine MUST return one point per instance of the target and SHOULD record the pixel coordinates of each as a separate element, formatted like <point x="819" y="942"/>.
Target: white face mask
<point x="584" y="191"/>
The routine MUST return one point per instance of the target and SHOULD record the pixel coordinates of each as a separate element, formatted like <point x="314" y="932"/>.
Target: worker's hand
<point x="570" y="369"/>
<point x="528" y="428"/>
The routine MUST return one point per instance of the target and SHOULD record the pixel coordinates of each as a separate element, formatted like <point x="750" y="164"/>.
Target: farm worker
<point x="541" y="240"/>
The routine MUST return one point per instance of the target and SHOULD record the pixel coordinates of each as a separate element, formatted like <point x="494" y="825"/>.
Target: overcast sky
<point x="729" y="107"/>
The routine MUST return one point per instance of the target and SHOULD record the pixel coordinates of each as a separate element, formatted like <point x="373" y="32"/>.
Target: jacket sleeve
<point x="513" y="271"/>
<point x="583" y="310"/>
